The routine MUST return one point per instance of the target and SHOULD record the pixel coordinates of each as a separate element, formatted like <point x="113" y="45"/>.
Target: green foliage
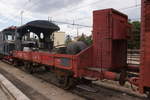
<point x="68" y="40"/>
<point x="134" y="42"/>
<point x="86" y="39"/>
<point x="89" y="40"/>
<point x="82" y="38"/>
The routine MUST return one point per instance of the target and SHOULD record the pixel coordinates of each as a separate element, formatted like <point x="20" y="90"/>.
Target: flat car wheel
<point x="28" y="67"/>
<point x="66" y="82"/>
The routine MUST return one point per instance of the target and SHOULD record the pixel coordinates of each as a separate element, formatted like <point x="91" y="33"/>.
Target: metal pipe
<point x="133" y="68"/>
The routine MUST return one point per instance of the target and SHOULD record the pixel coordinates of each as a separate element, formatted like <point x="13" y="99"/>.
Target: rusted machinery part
<point x="1" y="57"/>
<point x="148" y="96"/>
<point x="30" y="67"/>
<point x="66" y="82"/>
<point x="65" y="79"/>
<point x="133" y="68"/>
<point x="123" y="77"/>
<point x="16" y="62"/>
<point x="110" y="75"/>
<point x="60" y="50"/>
<point x="91" y="78"/>
<point x="48" y="68"/>
<point x="84" y="81"/>
<point x="134" y="81"/>
<point x="75" y="47"/>
<point x="27" y="66"/>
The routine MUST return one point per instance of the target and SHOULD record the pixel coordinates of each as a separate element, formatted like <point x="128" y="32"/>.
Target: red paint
<point x="107" y="52"/>
<point x="145" y="46"/>
<point x="134" y="68"/>
<point x="110" y="31"/>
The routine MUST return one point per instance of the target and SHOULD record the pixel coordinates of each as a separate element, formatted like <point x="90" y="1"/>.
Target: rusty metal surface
<point x="48" y="59"/>
<point x="108" y="50"/>
<point x="109" y="39"/>
<point x="145" y="46"/>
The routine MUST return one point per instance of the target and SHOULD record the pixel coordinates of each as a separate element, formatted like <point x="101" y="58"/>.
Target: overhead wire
<point x="135" y="2"/>
<point x="71" y="24"/>
<point x="135" y="19"/>
<point x="25" y="4"/>
<point x="134" y="6"/>
<point x="76" y="8"/>
<point x="6" y="18"/>
<point x="126" y="8"/>
<point x="61" y="22"/>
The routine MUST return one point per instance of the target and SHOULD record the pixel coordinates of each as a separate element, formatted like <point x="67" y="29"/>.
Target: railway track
<point x="102" y="93"/>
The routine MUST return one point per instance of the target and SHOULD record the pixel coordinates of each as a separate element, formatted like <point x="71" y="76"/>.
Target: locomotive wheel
<point x="65" y="81"/>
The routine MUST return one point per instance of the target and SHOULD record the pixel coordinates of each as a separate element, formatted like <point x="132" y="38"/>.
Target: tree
<point x="89" y="40"/>
<point x="68" y="40"/>
<point x="82" y="38"/>
<point x="86" y="39"/>
<point x="134" y="43"/>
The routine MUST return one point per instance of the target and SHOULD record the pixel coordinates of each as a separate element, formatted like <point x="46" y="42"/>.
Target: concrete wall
<point x="59" y="38"/>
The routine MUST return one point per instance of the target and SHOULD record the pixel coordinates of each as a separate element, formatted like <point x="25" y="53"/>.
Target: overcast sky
<point x="72" y="11"/>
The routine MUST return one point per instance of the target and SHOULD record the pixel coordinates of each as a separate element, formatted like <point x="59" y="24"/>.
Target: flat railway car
<point x="104" y="59"/>
<point x="77" y="63"/>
